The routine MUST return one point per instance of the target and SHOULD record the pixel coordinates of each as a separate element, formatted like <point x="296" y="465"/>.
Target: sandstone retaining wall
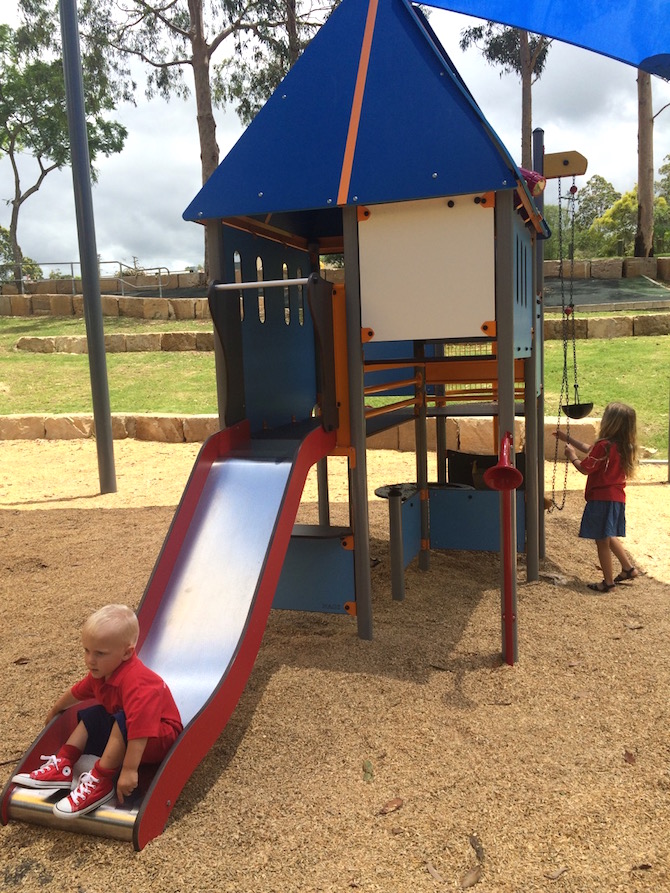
<point x="466" y="434"/>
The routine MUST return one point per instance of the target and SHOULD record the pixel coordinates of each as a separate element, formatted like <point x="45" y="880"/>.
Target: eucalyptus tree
<point x="33" y="116"/>
<point x="214" y="50"/>
<point x="515" y="51"/>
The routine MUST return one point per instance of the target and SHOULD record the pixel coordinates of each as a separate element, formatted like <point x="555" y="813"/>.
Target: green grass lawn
<point x="633" y="370"/>
<point x="180" y="382"/>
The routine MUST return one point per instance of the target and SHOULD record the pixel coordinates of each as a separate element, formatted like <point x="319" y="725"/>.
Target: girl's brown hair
<point x="619" y="426"/>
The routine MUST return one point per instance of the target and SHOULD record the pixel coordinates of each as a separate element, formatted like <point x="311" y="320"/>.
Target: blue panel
<point x="633" y="31"/>
<point x="318" y="574"/>
<point x="420" y="133"/>
<point x="290" y="156"/>
<point x="279" y="358"/>
<point x="411" y="528"/>
<point x="470" y="520"/>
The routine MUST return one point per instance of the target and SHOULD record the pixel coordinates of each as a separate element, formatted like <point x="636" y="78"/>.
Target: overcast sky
<point x="583" y="101"/>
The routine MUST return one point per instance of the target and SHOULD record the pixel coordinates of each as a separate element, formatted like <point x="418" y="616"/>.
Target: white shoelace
<point x="51" y="761"/>
<point x="87" y="784"/>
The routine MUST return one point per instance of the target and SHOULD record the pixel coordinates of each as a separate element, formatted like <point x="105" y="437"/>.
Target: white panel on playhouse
<point x="427" y="268"/>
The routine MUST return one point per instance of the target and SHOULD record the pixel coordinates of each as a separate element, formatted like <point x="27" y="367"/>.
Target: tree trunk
<point x="644" y="237"/>
<point x="17" y="254"/>
<point x="209" y="149"/>
<point x="292" y="30"/>
<point x="526" y="101"/>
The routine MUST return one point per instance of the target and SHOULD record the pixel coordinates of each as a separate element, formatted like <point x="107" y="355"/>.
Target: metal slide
<point x="202" y="616"/>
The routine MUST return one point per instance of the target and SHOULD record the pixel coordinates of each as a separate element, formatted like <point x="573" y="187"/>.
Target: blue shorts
<point x="99" y="725"/>
<point x="602" y="519"/>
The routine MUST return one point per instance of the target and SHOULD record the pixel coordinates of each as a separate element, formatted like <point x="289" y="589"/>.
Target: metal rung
<point x="267" y="283"/>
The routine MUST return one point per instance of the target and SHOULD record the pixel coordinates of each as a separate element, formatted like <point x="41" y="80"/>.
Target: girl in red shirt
<point x="607" y="465"/>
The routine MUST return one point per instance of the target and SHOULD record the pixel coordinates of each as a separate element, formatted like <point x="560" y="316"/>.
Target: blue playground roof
<point x="632" y="31"/>
<point x="373" y="111"/>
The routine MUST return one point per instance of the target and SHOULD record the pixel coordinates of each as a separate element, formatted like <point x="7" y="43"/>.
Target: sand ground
<point x="414" y="762"/>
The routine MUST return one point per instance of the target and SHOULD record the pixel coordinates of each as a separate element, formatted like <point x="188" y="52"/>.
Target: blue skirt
<point x="602" y="519"/>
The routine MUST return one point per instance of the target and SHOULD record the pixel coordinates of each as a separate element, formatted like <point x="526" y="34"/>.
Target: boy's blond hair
<point x="118" y="620"/>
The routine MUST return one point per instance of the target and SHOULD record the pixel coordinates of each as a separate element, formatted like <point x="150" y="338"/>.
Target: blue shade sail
<point x="633" y="31"/>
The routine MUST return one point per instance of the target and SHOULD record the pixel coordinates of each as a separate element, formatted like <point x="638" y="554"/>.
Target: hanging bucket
<point x="577" y="410"/>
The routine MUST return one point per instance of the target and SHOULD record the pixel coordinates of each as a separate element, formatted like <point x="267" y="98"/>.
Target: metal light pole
<point x="88" y="254"/>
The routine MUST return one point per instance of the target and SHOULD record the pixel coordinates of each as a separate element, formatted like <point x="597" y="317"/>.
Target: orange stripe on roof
<point x="355" y="118"/>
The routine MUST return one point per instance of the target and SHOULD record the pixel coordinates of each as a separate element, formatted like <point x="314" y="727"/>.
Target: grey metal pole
<point x="421" y="438"/>
<point x="358" y="479"/>
<point x="504" y="283"/>
<point x="538" y="164"/>
<point x="88" y="254"/>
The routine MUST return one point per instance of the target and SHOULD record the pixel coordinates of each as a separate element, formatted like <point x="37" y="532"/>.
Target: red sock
<point x="69" y="752"/>
<point x="105" y="773"/>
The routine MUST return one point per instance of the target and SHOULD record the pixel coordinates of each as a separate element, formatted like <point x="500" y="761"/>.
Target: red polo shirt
<point x="606" y="478"/>
<point x="142" y="695"/>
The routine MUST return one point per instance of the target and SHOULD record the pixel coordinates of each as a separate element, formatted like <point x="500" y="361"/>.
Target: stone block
<point x="109" y="285"/>
<point x="115" y="342"/>
<point x="581" y="329"/>
<point x="132" y="307"/>
<point x="61" y="305"/>
<point x="41" y="305"/>
<point x="204" y="341"/>
<point x="189" y="280"/>
<point x="406" y="436"/>
<point x="143" y="341"/>
<point x="551" y="268"/>
<point x="585" y="430"/>
<point x="9" y="289"/>
<point x="78" y="305"/>
<point x="384" y="440"/>
<point x="22" y="427"/>
<point x="5" y="305"/>
<point x="43" y="287"/>
<point x="639" y="266"/>
<point x="651" y="324"/>
<point x="155" y="308"/>
<point x="201" y="307"/>
<point x="607" y="268"/>
<point x="36" y="344"/>
<point x="663" y="268"/>
<point x="553" y="328"/>
<point x="476" y="435"/>
<point x="120" y="426"/>
<point x="610" y="327"/>
<point x="198" y="428"/>
<point x="64" y="427"/>
<point x="183" y="308"/>
<point x="110" y="305"/>
<point x="178" y="341"/>
<point x="71" y="344"/>
<point x="164" y="429"/>
<point x="22" y="305"/>
<point x="64" y="286"/>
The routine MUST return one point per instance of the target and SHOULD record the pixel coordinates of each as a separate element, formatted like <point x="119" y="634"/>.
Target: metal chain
<point x="564" y="382"/>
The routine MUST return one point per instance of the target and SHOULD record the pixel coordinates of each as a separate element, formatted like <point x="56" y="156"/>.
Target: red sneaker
<point x="90" y="793"/>
<point x="55" y="773"/>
